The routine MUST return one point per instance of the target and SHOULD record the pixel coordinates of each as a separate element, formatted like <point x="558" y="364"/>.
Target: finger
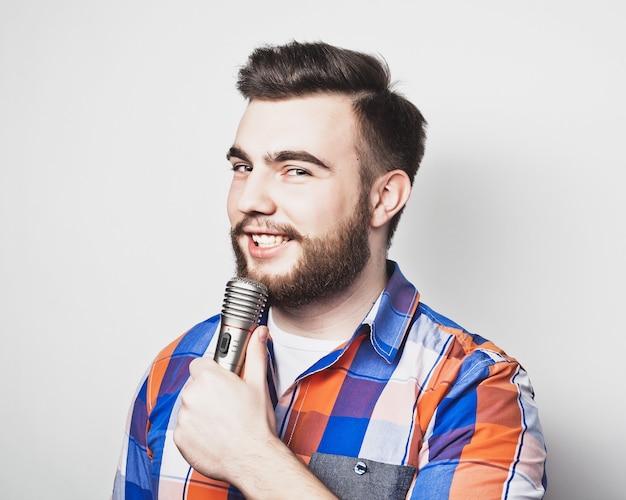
<point x="199" y="366"/>
<point x="256" y="358"/>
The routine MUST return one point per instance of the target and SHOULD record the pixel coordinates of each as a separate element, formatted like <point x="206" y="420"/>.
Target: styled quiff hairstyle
<point x="391" y="128"/>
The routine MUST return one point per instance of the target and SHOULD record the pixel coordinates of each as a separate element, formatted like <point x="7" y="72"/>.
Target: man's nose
<point x="256" y="196"/>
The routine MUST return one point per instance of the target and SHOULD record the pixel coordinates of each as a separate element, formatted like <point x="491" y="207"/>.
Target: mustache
<point x="267" y="223"/>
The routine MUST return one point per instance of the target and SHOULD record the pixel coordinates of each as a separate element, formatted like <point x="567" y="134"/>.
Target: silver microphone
<point x="244" y="302"/>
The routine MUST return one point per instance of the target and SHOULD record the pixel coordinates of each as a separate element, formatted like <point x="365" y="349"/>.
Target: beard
<point x="328" y="265"/>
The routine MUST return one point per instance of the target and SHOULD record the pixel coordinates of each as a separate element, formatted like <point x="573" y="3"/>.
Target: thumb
<point x="256" y="358"/>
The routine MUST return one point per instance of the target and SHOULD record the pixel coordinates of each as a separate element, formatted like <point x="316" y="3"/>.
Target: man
<point x="354" y="389"/>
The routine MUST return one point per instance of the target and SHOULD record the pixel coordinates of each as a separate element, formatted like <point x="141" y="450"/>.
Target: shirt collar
<point x="391" y="315"/>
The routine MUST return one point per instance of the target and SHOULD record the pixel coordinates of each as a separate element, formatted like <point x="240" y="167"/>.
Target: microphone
<point x="244" y="302"/>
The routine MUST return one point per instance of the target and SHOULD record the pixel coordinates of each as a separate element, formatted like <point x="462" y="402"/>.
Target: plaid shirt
<point x="412" y="406"/>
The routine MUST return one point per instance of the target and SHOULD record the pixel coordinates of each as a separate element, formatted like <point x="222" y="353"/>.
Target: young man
<point x="354" y="389"/>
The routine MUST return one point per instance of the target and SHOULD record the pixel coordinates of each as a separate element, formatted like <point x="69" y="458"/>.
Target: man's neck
<point x="338" y="316"/>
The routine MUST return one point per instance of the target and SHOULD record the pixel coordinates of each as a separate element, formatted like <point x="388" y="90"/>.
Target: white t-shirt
<point x="293" y="354"/>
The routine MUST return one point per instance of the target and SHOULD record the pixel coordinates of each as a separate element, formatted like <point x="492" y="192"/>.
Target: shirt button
<point x="360" y="468"/>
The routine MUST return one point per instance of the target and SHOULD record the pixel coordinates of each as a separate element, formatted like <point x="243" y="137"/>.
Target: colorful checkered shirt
<point x="412" y="406"/>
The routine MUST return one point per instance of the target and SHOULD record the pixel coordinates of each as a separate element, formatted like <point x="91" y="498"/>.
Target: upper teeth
<point x="268" y="240"/>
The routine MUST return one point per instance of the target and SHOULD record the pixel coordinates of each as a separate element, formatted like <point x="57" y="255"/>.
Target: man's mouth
<point x="269" y="240"/>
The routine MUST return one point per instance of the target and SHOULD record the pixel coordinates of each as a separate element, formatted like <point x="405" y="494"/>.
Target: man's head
<point x="391" y="130"/>
<point x="323" y="161"/>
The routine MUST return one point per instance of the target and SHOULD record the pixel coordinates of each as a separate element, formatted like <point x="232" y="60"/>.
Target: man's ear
<point x="389" y="194"/>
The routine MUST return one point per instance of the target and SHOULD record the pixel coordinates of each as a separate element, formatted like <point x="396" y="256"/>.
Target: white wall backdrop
<point x="114" y="120"/>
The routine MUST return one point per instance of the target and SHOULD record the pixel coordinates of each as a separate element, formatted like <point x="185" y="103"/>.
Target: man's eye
<point x="242" y="168"/>
<point x="297" y="172"/>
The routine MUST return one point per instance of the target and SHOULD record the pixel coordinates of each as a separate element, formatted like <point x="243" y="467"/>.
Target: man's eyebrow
<point x="237" y="153"/>
<point x="288" y="155"/>
<point x="279" y="156"/>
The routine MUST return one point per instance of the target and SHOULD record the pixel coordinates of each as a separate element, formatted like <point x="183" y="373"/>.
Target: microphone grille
<point x="244" y="299"/>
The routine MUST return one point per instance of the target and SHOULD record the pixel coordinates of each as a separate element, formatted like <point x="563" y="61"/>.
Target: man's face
<point x="300" y="219"/>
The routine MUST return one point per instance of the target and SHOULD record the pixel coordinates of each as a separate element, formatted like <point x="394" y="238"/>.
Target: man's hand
<point x="222" y="417"/>
<point x="226" y="430"/>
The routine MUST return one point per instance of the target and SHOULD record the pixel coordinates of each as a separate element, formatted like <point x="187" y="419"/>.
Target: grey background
<point x="114" y="120"/>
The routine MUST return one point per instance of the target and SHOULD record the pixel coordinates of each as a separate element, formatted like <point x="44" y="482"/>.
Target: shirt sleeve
<point x="132" y="479"/>
<point x="485" y="439"/>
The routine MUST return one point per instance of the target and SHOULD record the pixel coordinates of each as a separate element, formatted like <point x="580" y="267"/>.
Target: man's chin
<point x="265" y="276"/>
<point x="265" y="270"/>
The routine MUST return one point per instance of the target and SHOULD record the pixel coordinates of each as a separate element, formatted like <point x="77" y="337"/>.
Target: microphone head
<point x="244" y="301"/>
